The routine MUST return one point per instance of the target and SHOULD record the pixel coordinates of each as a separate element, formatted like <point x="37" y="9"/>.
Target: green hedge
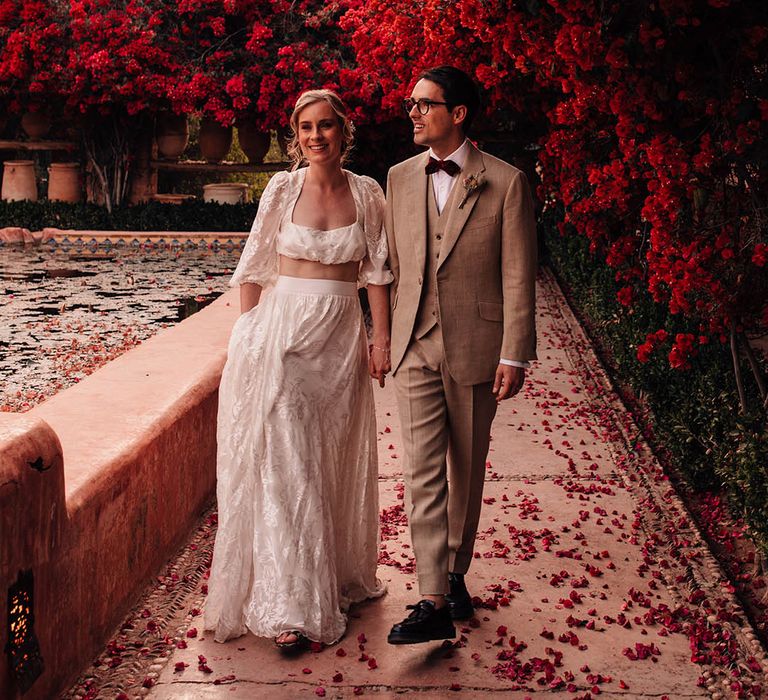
<point x="695" y="412"/>
<point x="152" y="216"/>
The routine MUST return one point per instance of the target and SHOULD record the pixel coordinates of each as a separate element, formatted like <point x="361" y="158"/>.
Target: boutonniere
<point x="472" y="183"/>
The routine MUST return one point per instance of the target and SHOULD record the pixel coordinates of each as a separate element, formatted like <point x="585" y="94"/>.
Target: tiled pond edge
<point x="53" y="237"/>
<point x="100" y="483"/>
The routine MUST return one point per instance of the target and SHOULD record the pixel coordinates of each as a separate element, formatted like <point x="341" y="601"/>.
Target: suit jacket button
<point x="439" y="237"/>
<point x="419" y="280"/>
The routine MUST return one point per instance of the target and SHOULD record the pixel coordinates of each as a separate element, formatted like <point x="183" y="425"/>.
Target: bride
<point x="297" y="491"/>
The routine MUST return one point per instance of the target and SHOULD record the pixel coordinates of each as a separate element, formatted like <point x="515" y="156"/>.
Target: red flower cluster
<point x="653" y="145"/>
<point x="650" y="119"/>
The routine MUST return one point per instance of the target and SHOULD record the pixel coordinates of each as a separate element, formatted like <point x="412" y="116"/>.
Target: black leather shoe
<point x="459" y="601"/>
<point x="424" y="624"/>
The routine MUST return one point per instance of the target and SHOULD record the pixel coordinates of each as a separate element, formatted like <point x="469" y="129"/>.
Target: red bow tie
<point x="449" y="166"/>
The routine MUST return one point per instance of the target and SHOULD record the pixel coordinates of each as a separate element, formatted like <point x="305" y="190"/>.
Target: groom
<point x="462" y="247"/>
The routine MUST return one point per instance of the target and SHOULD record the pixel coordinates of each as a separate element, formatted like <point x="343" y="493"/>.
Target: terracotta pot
<point x="19" y="180"/>
<point x="215" y="140"/>
<point x="225" y="192"/>
<point x="64" y="182"/>
<point x="36" y="125"/>
<point x="254" y="141"/>
<point x="171" y="134"/>
<point x="283" y="138"/>
<point x="172" y="198"/>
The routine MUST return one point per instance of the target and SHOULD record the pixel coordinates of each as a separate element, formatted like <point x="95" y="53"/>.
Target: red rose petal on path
<point x="179" y="666"/>
<point x="192" y="632"/>
<point x="148" y="683"/>
<point x="387" y="429"/>
<point x="338" y="678"/>
<point x="225" y="679"/>
<point x="320" y="691"/>
<point x="181" y="644"/>
<point x="341" y="652"/>
<point x="372" y="663"/>
<point x="623" y="685"/>
<point x="358" y="690"/>
<point x="306" y="670"/>
<point x="455" y="686"/>
<point x="316" y="647"/>
<point x="501" y="631"/>
<point x="361" y="638"/>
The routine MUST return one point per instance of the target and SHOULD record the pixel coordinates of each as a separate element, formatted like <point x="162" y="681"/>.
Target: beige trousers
<point x="440" y="419"/>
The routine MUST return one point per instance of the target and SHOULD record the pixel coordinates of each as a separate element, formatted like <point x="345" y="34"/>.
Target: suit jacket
<point x="487" y="269"/>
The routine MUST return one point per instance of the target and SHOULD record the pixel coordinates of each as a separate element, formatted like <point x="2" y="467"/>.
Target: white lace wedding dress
<point x="297" y="539"/>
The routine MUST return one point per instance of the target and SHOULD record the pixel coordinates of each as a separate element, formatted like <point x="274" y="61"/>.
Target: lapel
<point x="457" y="218"/>
<point x="414" y="204"/>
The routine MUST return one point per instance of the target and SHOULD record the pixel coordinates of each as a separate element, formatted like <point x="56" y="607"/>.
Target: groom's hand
<point x="379" y="364"/>
<point x="509" y="380"/>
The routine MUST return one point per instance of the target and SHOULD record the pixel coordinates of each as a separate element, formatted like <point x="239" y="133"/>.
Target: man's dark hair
<point x="458" y="89"/>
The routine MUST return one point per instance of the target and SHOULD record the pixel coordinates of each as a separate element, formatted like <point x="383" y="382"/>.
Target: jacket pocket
<point x="480" y="222"/>
<point x="491" y="311"/>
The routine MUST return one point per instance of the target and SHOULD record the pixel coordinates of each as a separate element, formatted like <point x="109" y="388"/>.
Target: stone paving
<point x="590" y="578"/>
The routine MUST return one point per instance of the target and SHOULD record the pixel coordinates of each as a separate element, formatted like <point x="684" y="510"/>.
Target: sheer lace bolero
<point x="273" y="233"/>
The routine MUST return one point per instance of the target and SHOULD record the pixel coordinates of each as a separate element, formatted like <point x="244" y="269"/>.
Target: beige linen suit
<point x="463" y="297"/>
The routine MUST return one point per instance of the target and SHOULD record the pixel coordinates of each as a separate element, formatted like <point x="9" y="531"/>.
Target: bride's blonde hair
<point x="310" y="97"/>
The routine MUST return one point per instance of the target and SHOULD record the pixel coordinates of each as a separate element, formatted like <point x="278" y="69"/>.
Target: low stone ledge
<point x="127" y="463"/>
<point x="15" y="235"/>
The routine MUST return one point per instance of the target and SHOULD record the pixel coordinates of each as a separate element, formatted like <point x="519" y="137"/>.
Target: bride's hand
<point x="379" y="362"/>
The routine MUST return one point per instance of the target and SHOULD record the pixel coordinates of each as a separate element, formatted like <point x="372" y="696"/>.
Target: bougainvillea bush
<point x="649" y="120"/>
<point x="654" y="145"/>
<point x="691" y="423"/>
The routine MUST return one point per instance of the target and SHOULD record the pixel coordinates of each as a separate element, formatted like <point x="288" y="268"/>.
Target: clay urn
<point x="254" y="141"/>
<point x="64" y="182"/>
<point x="215" y="140"/>
<point x="225" y="192"/>
<point x="171" y="134"/>
<point x="19" y="180"/>
<point x="36" y="125"/>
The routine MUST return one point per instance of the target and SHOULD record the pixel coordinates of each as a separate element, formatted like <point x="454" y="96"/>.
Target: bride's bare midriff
<point x="309" y="269"/>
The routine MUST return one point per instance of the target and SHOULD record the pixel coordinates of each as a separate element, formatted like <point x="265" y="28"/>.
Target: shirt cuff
<point x="514" y="363"/>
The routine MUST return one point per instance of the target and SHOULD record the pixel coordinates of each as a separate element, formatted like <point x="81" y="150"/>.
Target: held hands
<point x="509" y="380"/>
<point x="379" y="362"/>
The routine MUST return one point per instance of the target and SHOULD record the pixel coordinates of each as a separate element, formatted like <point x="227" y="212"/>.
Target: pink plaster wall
<point x="131" y="451"/>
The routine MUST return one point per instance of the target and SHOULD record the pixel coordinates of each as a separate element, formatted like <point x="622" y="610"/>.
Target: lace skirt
<point x="297" y="490"/>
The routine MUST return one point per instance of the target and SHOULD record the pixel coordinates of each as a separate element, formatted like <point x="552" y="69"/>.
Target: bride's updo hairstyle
<point x="347" y="128"/>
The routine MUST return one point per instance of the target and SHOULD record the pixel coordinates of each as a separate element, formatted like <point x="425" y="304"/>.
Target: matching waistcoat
<point x="428" y="315"/>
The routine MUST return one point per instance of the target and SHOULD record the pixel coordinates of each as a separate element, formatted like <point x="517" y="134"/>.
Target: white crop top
<point x="273" y="233"/>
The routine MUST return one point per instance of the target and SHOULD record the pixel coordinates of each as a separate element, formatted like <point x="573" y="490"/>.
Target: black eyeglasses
<point x="422" y="104"/>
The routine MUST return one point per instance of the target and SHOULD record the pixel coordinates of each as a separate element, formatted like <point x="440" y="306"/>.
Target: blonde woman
<point x="297" y="465"/>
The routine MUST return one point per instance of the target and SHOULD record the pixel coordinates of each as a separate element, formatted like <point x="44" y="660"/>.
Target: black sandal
<point x="299" y="643"/>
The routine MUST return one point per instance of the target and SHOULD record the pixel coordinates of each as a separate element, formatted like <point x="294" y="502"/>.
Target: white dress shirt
<point x="442" y="183"/>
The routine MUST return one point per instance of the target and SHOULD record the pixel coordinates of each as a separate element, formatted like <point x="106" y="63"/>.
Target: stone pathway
<point x="590" y="577"/>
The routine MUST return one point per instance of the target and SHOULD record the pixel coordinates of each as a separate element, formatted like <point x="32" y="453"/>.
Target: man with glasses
<point x="462" y="247"/>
